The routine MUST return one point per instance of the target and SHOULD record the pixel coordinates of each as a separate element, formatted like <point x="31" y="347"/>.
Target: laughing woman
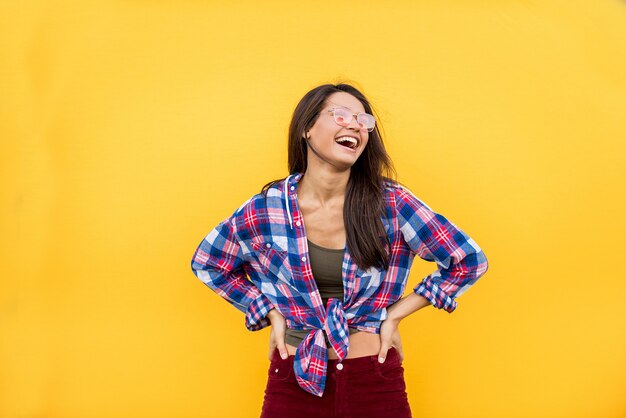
<point x="323" y="256"/>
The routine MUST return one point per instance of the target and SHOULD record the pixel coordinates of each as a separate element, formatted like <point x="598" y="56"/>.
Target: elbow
<point x="199" y="261"/>
<point x="195" y="266"/>
<point x="195" y="269"/>
<point x="481" y="264"/>
<point x="472" y="268"/>
<point x="200" y="269"/>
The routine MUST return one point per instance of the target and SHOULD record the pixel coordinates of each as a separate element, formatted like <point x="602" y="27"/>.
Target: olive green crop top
<point x="326" y="265"/>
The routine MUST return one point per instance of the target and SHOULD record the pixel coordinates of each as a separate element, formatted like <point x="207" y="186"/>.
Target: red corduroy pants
<point x="360" y="388"/>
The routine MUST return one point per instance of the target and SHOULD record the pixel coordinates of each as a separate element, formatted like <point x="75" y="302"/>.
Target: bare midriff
<point x="361" y="344"/>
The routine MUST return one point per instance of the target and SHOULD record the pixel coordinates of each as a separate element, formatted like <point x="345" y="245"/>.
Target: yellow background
<point x="130" y="128"/>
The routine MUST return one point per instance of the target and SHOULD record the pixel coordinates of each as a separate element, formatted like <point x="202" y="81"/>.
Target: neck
<point x="322" y="185"/>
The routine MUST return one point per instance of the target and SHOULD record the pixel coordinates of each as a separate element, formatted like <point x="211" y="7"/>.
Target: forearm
<point x="406" y="306"/>
<point x="271" y="315"/>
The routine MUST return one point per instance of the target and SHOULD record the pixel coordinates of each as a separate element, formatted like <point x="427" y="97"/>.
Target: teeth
<point x="352" y="141"/>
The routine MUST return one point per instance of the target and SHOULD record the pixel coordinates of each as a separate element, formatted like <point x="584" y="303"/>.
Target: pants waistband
<point x="354" y="364"/>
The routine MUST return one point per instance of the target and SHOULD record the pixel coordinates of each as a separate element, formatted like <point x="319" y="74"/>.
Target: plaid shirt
<point x="265" y="240"/>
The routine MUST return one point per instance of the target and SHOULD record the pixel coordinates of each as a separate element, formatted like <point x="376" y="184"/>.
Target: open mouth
<point x="347" y="141"/>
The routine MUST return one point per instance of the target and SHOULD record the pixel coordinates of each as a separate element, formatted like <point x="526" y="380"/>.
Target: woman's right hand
<point x="277" y="335"/>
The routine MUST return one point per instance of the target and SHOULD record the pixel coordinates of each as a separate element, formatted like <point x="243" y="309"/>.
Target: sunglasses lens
<point x="366" y="121"/>
<point x="344" y="117"/>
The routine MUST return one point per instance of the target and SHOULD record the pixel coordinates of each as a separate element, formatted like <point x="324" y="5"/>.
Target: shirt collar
<point x="289" y="192"/>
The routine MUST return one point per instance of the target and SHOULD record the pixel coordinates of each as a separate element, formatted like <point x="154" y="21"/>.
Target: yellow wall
<point x="130" y="128"/>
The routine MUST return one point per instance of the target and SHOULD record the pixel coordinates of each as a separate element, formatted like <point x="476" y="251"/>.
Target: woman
<point x="327" y="251"/>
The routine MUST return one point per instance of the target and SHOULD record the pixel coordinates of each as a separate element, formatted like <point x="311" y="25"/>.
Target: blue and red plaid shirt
<point x="257" y="259"/>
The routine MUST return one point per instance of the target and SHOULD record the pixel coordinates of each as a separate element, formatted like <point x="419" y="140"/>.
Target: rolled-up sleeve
<point x="218" y="263"/>
<point x="432" y="237"/>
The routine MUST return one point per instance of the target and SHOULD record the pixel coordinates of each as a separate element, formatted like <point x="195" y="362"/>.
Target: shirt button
<point x="298" y="223"/>
<point x="303" y="258"/>
<point x="292" y="187"/>
<point x="339" y="366"/>
<point x="268" y="245"/>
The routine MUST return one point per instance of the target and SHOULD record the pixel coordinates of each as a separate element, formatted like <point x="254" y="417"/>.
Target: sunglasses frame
<point x="332" y="110"/>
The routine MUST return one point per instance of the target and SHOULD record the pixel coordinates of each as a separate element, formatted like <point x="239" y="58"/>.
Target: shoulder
<point x="259" y="213"/>
<point x="403" y="195"/>
<point x="390" y="185"/>
<point x="395" y="189"/>
<point x="271" y="197"/>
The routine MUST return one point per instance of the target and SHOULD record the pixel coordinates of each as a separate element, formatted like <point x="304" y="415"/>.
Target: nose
<point x="354" y="125"/>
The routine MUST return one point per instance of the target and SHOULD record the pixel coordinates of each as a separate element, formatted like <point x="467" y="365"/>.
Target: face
<point x="325" y="133"/>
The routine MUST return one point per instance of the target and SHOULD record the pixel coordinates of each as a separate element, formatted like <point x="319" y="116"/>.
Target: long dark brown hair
<point x="363" y="205"/>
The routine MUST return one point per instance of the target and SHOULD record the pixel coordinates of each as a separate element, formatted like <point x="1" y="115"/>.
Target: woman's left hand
<point x="389" y="337"/>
